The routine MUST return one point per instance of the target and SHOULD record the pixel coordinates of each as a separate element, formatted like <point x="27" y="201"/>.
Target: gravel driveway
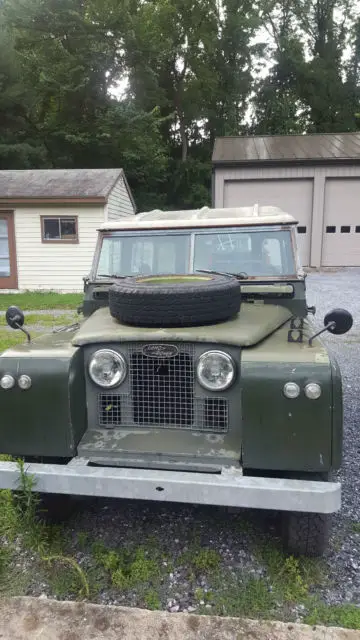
<point x="328" y="290"/>
<point x="237" y="538"/>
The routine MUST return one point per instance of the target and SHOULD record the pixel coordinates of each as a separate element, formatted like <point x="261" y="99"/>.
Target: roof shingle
<point x="58" y="183"/>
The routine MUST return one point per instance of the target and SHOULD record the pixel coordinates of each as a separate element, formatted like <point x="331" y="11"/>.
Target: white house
<point x="49" y="221"/>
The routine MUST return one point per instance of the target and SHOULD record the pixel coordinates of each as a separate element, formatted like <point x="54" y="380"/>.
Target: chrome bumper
<point x="228" y="488"/>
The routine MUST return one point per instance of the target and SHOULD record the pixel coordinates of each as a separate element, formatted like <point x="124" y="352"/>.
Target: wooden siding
<point x="119" y="201"/>
<point x="319" y="174"/>
<point x="58" y="267"/>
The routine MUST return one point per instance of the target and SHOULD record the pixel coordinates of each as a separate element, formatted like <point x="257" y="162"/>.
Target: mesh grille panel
<point x="109" y="409"/>
<point x="163" y="389"/>
<point x="162" y="395"/>
<point x="210" y="414"/>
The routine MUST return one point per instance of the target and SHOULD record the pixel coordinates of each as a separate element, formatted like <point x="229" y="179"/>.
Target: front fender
<point x="48" y="419"/>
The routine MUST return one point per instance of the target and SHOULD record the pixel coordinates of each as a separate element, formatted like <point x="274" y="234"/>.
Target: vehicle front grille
<point x="163" y="389"/>
<point x="162" y="395"/>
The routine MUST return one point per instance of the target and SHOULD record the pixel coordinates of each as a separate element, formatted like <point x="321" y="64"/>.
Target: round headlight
<point x="313" y="391"/>
<point x="107" y="368"/>
<point x="291" y="390"/>
<point x="7" y="382"/>
<point x="215" y="370"/>
<point x="24" y="382"/>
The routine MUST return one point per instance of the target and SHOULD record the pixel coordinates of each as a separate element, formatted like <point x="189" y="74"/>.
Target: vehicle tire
<point x="175" y="301"/>
<point x="55" y="507"/>
<point x="306" y="533"/>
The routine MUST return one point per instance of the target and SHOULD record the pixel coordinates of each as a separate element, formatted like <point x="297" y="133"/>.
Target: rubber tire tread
<point x="189" y="304"/>
<point x="306" y="533"/>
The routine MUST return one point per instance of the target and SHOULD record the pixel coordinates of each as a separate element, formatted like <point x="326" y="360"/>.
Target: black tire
<point x="56" y="508"/>
<point x="306" y="534"/>
<point x="175" y="301"/>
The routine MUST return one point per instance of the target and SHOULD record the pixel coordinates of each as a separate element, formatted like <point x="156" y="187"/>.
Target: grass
<point x="22" y="527"/>
<point x="10" y="339"/>
<point x="42" y="322"/>
<point x="286" y="582"/>
<point x="50" y="320"/>
<point x="346" y="616"/>
<point x="36" y="300"/>
<point x="128" y="568"/>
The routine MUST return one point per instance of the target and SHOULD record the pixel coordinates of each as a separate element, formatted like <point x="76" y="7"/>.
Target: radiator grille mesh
<point x="162" y="395"/>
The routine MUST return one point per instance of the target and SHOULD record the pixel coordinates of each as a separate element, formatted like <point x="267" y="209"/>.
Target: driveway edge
<point x="43" y="619"/>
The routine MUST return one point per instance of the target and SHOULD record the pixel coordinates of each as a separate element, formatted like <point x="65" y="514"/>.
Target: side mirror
<point x="15" y="317"/>
<point x="338" y="321"/>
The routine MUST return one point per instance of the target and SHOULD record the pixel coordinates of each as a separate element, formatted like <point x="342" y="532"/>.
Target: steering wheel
<point x="265" y="269"/>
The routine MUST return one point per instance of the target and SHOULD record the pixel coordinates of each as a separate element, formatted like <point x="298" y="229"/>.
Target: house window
<point x="301" y="229"/>
<point x="330" y="229"/>
<point x="59" y="229"/>
<point x="345" y="229"/>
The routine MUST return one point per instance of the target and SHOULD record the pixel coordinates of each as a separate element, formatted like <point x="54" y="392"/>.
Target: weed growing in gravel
<point x="203" y="596"/>
<point x="152" y="600"/>
<point x="346" y="616"/>
<point x="291" y="577"/>
<point x="234" y="597"/>
<point x="20" y="521"/>
<point x="200" y="560"/>
<point x="355" y="527"/>
<point x="82" y="539"/>
<point x="127" y="568"/>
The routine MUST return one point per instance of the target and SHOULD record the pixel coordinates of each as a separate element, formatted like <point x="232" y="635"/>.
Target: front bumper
<point x="228" y="488"/>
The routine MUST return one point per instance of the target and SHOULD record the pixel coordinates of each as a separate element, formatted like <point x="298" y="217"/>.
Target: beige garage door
<point x="341" y="237"/>
<point x="293" y="196"/>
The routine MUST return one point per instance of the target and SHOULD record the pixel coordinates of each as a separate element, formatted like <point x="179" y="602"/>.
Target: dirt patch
<point x="32" y="618"/>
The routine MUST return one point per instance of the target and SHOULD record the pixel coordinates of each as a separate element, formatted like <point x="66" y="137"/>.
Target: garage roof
<point x="325" y="147"/>
<point x="59" y="184"/>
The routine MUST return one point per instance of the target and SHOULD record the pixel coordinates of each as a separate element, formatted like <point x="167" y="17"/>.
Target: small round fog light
<point x="313" y="391"/>
<point x="7" y="382"/>
<point x="291" y="390"/>
<point x="24" y="382"/>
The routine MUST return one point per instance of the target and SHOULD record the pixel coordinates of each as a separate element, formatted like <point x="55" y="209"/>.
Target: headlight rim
<point x="309" y="384"/>
<point x="13" y="381"/>
<point x="208" y="387"/>
<point x="119" y="357"/>
<point x="24" y="378"/>
<point x="298" y="389"/>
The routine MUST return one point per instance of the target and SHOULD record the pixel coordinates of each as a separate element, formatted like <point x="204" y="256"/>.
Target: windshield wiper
<point x="241" y="276"/>
<point x="109" y="275"/>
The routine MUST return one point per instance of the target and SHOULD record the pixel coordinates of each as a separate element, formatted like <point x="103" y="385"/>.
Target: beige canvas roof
<point x="205" y="217"/>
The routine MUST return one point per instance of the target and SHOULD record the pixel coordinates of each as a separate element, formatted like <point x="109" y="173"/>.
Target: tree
<point x="278" y="108"/>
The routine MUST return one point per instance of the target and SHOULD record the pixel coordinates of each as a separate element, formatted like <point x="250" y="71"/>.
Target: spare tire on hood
<point x="175" y="300"/>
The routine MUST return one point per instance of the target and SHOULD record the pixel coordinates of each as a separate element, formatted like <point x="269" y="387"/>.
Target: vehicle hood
<point x="252" y="324"/>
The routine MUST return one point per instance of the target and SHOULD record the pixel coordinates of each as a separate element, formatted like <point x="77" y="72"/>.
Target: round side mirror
<point x="15" y="317"/>
<point x="342" y="321"/>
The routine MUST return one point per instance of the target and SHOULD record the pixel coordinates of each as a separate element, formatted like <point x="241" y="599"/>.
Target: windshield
<point x="257" y="252"/>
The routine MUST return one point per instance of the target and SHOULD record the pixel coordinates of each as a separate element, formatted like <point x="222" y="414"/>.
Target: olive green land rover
<point x="195" y="375"/>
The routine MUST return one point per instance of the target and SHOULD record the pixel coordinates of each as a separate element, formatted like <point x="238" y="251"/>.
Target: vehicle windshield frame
<point x="193" y="232"/>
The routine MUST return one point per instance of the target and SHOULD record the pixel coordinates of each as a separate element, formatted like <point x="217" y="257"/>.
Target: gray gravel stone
<point x="327" y="291"/>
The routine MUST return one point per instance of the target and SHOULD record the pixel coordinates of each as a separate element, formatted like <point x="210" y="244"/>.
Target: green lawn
<point x="37" y="324"/>
<point x="36" y="300"/>
<point x="10" y="339"/>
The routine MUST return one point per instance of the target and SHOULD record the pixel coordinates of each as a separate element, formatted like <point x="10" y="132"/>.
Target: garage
<point x="341" y="223"/>
<point x="293" y="196"/>
<point x="316" y="178"/>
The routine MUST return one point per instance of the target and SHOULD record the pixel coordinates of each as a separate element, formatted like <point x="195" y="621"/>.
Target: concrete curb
<point x="37" y="619"/>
